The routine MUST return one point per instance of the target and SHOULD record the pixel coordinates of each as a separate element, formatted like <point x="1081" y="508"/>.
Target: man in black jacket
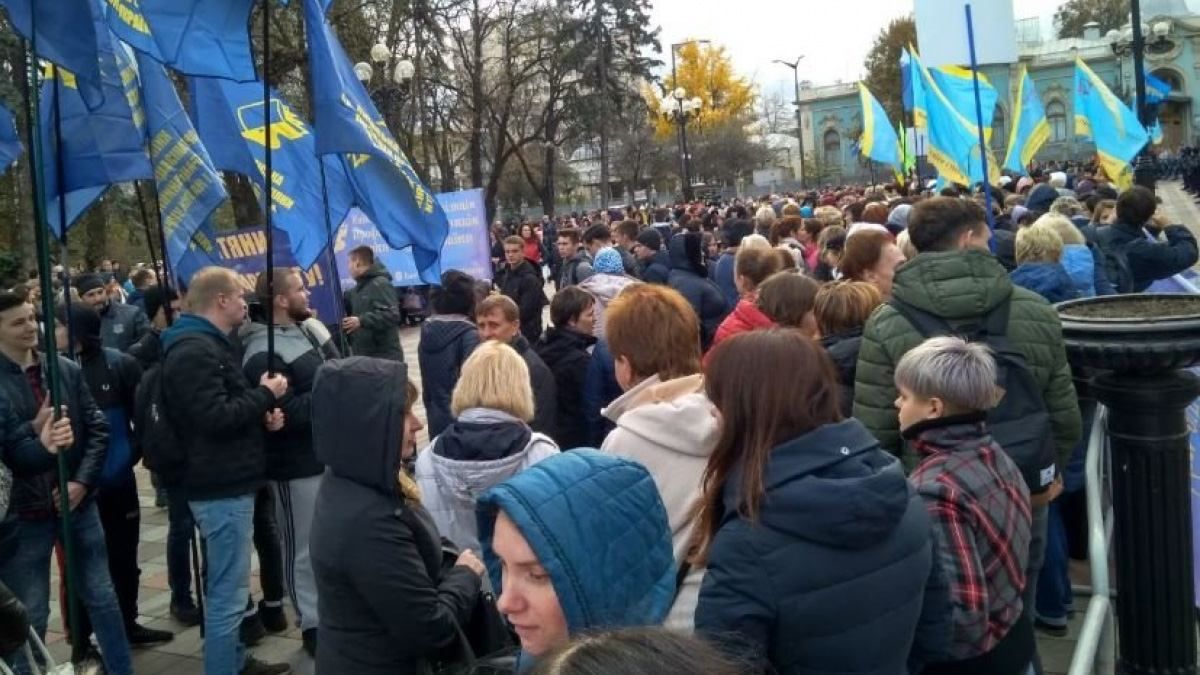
<point x="576" y="266"/>
<point x="123" y="325"/>
<point x="36" y="500"/>
<point x="162" y="306"/>
<point x="292" y="467"/>
<point x="656" y="264"/>
<point x="373" y="321"/>
<point x="1139" y="261"/>
<point x="112" y="379"/>
<point x="564" y="349"/>
<point x="218" y="416"/>
<point x="522" y="283"/>
<point x="498" y="319"/>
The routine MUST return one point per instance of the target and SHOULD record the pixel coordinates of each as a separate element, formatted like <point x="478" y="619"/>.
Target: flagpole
<point x="269" y="190"/>
<point x="987" y="187"/>
<point x="162" y="279"/>
<point x="338" y="303"/>
<point x="51" y="365"/>
<point x="339" y="309"/>
<point x="60" y="173"/>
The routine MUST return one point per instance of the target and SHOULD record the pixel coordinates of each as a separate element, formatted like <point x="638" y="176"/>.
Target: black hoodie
<point x="446" y="342"/>
<point x="689" y="277"/>
<point x="385" y="603"/>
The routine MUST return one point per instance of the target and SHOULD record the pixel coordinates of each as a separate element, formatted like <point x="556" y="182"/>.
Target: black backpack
<point x="1020" y="423"/>
<point x="1115" y="258"/>
<point x="162" y="449"/>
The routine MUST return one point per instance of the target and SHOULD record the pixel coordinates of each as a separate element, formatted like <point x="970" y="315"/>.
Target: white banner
<point x="942" y="32"/>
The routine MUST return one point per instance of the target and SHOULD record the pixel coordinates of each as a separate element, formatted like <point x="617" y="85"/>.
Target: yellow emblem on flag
<point x="285" y="123"/>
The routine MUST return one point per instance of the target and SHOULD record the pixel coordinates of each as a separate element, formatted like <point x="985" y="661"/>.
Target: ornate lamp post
<point x="683" y="110"/>
<point x="795" y="66"/>
<point x="386" y="93"/>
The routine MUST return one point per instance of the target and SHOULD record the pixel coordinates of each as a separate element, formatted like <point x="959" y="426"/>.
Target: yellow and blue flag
<point x="878" y="140"/>
<point x="1157" y="89"/>
<point x="66" y="36"/>
<point x="206" y="38"/>
<point x="386" y="186"/>
<point x="953" y="139"/>
<point x="98" y="147"/>
<point x="958" y="86"/>
<point x="906" y="84"/>
<point x="1111" y="125"/>
<point x="231" y="120"/>
<point x="1030" y="129"/>
<point x="189" y="187"/>
<point x="10" y="144"/>
<point x="199" y="251"/>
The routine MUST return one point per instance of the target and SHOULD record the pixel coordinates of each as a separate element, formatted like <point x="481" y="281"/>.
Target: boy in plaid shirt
<point x="977" y="500"/>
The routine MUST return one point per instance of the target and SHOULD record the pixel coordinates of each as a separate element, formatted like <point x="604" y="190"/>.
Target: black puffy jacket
<point x="689" y="277"/>
<point x="834" y="576"/>
<point x="446" y="342"/>
<point x="565" y="354"/>
<point x="523" y="284"/>
<point x="545" y="388"/>
<point x="217" y="414"/>
<point x="386" y="604"/>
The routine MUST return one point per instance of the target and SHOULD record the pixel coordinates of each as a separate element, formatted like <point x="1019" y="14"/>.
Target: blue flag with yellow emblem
<point x="953" y="139"/>
<point x="98" y="147"/>
<point x="206" y="38"/>
<point x="232" y="124"/>
<point x="347" y="122"/>
<point x="1111" y="125"/>
<point x="65" y="37"/>
<point x="189" y="188"/>
<point x="878" y="140"/>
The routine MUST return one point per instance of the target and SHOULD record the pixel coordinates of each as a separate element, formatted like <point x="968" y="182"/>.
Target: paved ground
<point x="182" y="656"/>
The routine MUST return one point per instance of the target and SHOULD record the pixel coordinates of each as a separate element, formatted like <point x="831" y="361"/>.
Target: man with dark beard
<point x="292" y="467"/>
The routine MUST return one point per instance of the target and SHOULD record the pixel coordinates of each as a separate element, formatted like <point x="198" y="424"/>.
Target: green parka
<point x="961" y="287"/>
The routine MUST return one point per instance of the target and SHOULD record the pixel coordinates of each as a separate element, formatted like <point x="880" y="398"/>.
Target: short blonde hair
<point x="962" y="374"/>
<point x="829" y="216"/>
<point x="207" y="284"/>
<point x="1066" y="230"/>
<point x="753" y="241"/>
<point x="1038" y="244"/>
<point x="494" y="376"/>
<point x="906" y="245"/>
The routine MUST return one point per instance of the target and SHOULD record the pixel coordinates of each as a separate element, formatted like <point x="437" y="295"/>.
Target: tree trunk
<point x="548" y="188"/>
<point x="95" y="228"/>
<point x="476" y="144"/>
<point x="602" y="74"/>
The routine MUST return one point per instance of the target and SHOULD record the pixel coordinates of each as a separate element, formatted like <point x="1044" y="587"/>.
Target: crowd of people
<point x="756" y="436"/>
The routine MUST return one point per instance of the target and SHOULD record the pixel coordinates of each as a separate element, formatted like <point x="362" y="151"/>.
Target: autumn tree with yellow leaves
<point x="705" y="72"/>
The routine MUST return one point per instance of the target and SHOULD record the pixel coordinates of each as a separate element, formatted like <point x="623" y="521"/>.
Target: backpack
<point x="1020" y="423"/>
<point x="1115" y="258"/>
<point x="163" y="450"/>
<point x="119" y="457"/>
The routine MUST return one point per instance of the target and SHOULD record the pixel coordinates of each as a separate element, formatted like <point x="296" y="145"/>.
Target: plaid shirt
<point x="979" y="505"/>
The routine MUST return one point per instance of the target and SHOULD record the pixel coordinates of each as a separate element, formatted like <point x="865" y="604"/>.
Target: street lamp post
<point x="1131" y="42"/>
<point x="795" y="66"/>
<point x="682" y="111"/>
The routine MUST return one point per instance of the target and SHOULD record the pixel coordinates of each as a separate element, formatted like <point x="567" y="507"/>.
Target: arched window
<point x="1171" y="78"/>
<point x="999" y="129"/>
<point x="1056" y="115"/>
<point x="833" y="144"/>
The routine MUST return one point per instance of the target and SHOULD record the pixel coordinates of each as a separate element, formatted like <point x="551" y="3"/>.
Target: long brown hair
<point x="770" y="387"/>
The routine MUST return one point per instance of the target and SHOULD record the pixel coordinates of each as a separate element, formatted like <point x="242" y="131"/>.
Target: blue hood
<point x="599" y="528"/>
<point x="833" y="486"/>
<point x="189" y="324"/>
<point x="1048" y="280"/>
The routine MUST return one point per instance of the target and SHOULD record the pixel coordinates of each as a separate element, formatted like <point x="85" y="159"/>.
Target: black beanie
<point x="88" y="282"/>
<point x="650" y="238"/>
<point x="155" y="297"/>
<point x="84" y="325"/>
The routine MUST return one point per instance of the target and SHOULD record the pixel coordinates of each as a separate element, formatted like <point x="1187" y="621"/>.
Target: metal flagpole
<point x="987" y="188"/>
<point x="60" y="173"/>
<point x="269" y="189"/>
<point x="50" y="365"/>
<point x="163" y="279"/>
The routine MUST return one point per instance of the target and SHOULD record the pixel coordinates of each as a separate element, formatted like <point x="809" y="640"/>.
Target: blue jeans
<point x="27" y="573"/>
<point x="226" y="526"/>
<point x="180" y="528"/>
<point x="1054" y="597"/>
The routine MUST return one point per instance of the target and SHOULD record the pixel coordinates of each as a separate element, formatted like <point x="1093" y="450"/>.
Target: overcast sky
<point x="833" y="35"/>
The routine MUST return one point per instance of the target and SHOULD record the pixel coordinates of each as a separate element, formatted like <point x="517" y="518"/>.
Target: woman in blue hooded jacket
<point x="819" y="554"/>
<point x="578" y="542"/>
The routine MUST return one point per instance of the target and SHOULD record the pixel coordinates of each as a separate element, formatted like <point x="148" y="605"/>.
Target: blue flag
<point x="207" y="38"/>
<point x="229" y="116"/>
<point x="1030" y="129"/>
<point x="906" y="86"/>
<point x="1157" y="89"/>
<point x="98" y="147"/>
<point x="10" y="145"/>
<point x="1111" y="125"/>
<point x="879" y="140"/>
<point x="953" y="147"/>
<point x="189" y="188"/>
<point x="347" y="122"/>
<point x="66" y="36"/>
<point x="958" y="86"/>
<point x="190" y="256"/>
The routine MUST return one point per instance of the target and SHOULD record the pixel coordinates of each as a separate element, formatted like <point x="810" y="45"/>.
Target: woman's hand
<point x="469" y="560"/>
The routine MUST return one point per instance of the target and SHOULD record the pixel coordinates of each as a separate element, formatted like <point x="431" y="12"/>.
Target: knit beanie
<point x="88" y="282"/>
<point x="608" y="261"/>
<point x="650" y="238"/>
